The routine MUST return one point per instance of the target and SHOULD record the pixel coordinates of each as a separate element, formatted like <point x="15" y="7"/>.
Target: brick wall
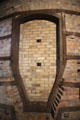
<point x="38" y="46"/>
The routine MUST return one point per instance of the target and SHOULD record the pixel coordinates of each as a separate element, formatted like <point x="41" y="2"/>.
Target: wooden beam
<point x="68" y="33"/>
<point x="15" y="61"/>
<point x="66" y="11"/>
<point x="53" y="10"/>
<point x="9" y="16"/>
<point x="79" y="92"/>
<point x="66" y="109"/>
<point x="69" y="109"/>
<point x="7" y="83"/>
<point x="64" y="37"/>
<point x="62" y="62"/>
<point x="39" y="107"/>
<point x="5" y="37"/>
<point x="71" y="84"/>
<point x="5" y="58"/>
<point x="73" y="57"/>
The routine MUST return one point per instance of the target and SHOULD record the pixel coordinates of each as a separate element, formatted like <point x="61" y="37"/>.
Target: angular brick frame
<point x="25" y="17"/>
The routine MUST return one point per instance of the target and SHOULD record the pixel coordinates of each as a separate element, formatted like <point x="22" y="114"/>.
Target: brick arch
<point x="22" y="18"/>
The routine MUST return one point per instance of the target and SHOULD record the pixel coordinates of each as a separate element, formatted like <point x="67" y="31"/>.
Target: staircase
<point x="56" y="100"/>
